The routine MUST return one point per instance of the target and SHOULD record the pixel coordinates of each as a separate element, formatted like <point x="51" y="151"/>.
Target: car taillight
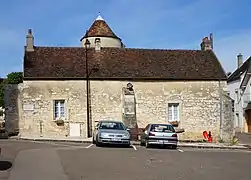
<point x="174" y="135"/>
<point x="151" y="134"/>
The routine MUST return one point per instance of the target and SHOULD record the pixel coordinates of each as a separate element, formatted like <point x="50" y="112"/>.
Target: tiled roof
<point x="100" y="28"/>
<point x="56" y="62"/>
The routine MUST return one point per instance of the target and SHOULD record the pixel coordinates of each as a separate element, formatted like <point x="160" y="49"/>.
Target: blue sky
<point x="165" y="24"/>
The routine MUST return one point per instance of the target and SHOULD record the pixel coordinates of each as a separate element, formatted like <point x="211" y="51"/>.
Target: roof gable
<point x="238" y="72"/>
<point x="69" y="62"/>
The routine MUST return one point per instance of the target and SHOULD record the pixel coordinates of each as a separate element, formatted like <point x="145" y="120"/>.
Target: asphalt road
<point x="75" y="161"/>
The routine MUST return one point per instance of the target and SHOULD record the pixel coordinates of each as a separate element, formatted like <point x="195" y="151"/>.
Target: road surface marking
<point x="134" y="147"/>
<point x="89" y="146"/>
<point x="180" y="150"/>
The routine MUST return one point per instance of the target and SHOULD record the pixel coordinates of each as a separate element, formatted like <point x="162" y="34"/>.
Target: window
<point x="173" y="112"/>
<point x="97" y="40"/>
<point x="162" y="128"/>
<point x="112" y="125"/>
<point x="59" y="109"/>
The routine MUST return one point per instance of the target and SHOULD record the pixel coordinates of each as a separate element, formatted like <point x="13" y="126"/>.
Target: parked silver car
<point x="159" y="134"/>
<point x="111" y="132"/>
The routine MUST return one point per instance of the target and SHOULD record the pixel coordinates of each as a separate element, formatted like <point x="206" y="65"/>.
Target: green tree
<point x="2" y="84"/>
<point x="12" y="78"/>
<point x="15" y="78"/>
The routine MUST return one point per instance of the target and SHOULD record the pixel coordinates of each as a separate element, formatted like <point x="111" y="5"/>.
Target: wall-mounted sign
<point x="28" y="107"/>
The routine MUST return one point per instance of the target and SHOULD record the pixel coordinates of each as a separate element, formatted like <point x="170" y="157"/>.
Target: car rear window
<point x="162" y="128"/>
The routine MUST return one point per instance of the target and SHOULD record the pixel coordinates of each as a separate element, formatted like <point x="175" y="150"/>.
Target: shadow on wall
<point x="11" y="103"/>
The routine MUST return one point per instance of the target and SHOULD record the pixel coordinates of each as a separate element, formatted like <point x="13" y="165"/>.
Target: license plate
<point x="163" y="141"/>
<point x="116" y="139"/>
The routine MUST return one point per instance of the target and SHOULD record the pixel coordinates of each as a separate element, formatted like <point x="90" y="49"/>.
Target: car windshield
<point x="112" y="125"/>
<point x="162" y="128"/>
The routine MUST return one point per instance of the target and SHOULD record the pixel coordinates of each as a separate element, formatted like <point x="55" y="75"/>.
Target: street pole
<point x="87" y="43"/>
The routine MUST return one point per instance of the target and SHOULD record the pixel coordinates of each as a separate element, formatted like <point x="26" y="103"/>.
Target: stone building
<point x="136" y="86"/>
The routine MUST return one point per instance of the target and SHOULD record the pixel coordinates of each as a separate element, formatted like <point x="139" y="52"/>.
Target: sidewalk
<point x="180" y="144"/>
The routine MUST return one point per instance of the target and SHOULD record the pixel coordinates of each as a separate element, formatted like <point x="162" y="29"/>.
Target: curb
<point x="244" y="147"/>
<point x="53" y="140"/>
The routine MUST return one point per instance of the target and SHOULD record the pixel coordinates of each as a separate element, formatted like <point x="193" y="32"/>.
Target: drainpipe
<point x="220" y="93"/>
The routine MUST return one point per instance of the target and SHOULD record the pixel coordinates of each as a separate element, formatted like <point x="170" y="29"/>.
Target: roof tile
<point x="69" y="62"/>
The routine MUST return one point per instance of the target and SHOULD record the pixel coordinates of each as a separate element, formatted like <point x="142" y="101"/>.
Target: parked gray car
<point x="111" y="132"/>
<point x="159" y="134"/>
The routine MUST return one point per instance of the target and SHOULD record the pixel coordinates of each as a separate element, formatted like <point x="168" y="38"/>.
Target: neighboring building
<point x="1" y="108"/>
<point x="239" y="90"/>
<point x="136" y="86"/>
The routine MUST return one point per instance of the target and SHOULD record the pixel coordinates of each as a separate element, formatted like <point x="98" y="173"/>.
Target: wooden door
<point x="249" y="120"/>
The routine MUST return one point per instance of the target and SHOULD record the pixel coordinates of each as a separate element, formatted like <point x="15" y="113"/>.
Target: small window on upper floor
<point x="97" y="40"/>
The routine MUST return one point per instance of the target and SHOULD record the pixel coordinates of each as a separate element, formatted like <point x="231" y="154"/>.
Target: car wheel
<point x="174" y="146"/>
<point x="98" y="144"/>
<point x="128" y="145"/>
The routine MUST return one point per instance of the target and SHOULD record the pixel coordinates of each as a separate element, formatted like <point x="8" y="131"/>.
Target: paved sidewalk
<point x="180" y="144"/>
<point x="37" y="165"/>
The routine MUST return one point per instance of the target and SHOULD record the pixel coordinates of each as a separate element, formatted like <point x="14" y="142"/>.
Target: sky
<point x="160" y="24"/>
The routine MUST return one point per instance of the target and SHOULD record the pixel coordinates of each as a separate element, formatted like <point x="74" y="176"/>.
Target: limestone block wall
<point x="40" y="97"/>
<point x="228" y="119"/>
<point x="199" y="104"/>
<point x="199" y="108"/>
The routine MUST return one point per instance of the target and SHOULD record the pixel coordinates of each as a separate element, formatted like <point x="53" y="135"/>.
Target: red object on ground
<point x="205" y="134"/>
<point x="210" y="139"/>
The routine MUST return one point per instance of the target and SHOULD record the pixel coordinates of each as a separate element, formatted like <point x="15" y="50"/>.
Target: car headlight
<point x="126" y="135"/>
<point x="103" y="135"/>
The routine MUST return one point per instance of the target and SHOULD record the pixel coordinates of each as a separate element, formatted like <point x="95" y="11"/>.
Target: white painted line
<point x="89" y="146"/>
<point x="134" y="147"/>
<point x="180" y="150"/>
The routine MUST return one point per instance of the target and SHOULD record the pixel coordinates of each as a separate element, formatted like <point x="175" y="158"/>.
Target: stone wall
<point x="228" y="118"/>
<point x="199" y="105"/>
<point x="35" y="106"/>
<point x="12" y="117"/>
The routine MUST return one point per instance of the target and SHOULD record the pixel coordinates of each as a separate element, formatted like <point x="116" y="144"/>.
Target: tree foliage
<point x="15" y="78"/>
<point x="12" y="78"/>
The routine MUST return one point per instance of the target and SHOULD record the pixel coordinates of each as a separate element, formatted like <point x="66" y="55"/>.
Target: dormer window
<point x="97" y="40"/>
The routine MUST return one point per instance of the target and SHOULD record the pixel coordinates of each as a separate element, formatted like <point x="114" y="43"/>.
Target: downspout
<point x="221" y="109"/>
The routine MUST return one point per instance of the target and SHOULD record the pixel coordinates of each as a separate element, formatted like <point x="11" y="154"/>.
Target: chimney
<point x="239" y="60"/>
<point x="207" y="44"/>
<point x="211" y="39"/>
<point x="29" y="41"/>
<point x="97" y="44"/>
